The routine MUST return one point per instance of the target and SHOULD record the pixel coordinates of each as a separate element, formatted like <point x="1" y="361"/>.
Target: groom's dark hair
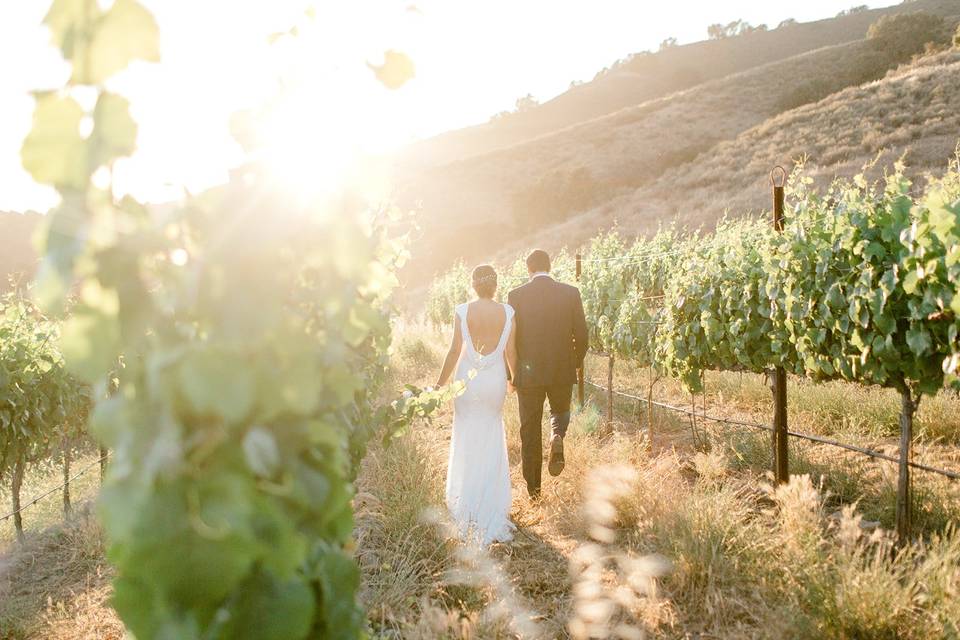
<point x="538" y="261"/>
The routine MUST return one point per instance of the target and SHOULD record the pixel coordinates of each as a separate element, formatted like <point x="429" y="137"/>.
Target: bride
<point x="483" y="351"/>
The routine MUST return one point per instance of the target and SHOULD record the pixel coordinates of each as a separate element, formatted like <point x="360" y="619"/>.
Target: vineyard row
<point x="861" y="284"/>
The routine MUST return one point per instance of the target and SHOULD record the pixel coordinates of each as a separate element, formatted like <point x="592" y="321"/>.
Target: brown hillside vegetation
<point x="913" y="114"/>
<point x="502" y="195"/>
<point x="647" y="76"/>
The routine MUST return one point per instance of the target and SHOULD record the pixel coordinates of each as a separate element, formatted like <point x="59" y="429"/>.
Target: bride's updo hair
<point x="485" y="281"/>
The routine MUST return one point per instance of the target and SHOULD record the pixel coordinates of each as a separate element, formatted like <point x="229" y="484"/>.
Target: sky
<point x="473" y="59"/>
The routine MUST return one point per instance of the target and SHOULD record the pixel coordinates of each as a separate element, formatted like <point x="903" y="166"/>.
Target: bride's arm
<point x="510" y="354"/>
<point x="453" y="354"/>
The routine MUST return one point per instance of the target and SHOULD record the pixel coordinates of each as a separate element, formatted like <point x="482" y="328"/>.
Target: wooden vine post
<point x="653" y="381"/>
<point x="781" y="472"/>
<point x="580" y="394"/>
<point x="67" y="506"/>
<point x="609" y="391"/>
<point x="908" y="408"/>
<point x="17" y="482"/>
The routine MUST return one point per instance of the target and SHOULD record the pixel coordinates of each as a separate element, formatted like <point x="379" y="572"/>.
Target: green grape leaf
<point x="69" y="22"/>
<point x="271" y="609"/>
<point x="126" y="32"/>
<point x="910" y="281"/>
<point x="919" y="341"/>
<point x="827" y="368"/>
<point x="943" y="217"/>
<point x="114" y="131"/>
<point x="129" y="594"/>
<point x="217" y="384"/>
<point x="336" y="571"/>
<point x="90" y="342"/>
<point x="54" y="152"/>
<point x="284" y="546"/>
<point x="50" y="288"/>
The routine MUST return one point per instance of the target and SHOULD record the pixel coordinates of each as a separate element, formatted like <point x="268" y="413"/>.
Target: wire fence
<point x="50" y="492"/>
<point x="628" y="259"/>
<point x="953" y="475"/>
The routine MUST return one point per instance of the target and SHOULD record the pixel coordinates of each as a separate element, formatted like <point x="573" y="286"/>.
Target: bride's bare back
<point x="485" y="319"/>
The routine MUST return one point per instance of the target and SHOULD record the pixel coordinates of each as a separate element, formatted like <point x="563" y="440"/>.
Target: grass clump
<point x="57" y="585"/>
<point x="839" y="582"/>
<point x="775" y="563"/>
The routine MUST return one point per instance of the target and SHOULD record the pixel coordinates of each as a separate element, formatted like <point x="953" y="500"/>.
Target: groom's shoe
<point x="555" y="463"/>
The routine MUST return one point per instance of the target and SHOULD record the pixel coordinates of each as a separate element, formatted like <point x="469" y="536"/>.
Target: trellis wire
<point x="953" y="475"/>
<point x="37" y="499"/>
<point x="639" y="259"/>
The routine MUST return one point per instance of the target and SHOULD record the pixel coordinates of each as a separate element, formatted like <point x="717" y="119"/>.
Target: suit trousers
<point x="531" y="400"/>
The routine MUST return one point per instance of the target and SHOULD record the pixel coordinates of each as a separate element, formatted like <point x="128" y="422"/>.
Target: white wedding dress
<point x="478" y="473"/>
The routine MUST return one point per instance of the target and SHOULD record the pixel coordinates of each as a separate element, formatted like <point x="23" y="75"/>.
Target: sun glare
<point x="307" y="151"/>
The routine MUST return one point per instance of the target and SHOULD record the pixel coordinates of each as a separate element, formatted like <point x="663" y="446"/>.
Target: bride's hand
<point x="510" y="387"/>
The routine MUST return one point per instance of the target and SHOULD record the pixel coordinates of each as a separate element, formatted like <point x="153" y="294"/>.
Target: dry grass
<point x="57" y="586"/>
<point x="663" y="539"/>
<point x="48" y="512"/>
<point x="862" y="416"/>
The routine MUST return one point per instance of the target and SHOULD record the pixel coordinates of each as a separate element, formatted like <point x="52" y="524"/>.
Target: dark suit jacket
<point x="551" y="332"/>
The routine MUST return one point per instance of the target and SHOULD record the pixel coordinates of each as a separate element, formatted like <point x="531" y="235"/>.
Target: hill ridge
<point x="712" y="59"/>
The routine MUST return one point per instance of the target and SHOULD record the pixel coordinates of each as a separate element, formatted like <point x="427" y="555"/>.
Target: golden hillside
<point x="589" y="174"/>
<point x="647" y="76"/>
<point x="17" y="256"/>
<point x="914" y="113"/>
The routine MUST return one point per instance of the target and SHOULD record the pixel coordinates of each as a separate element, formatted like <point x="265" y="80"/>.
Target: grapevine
<point x="253" y="332"/>
<point x="862" y="285"/>
<point x="41" y="405"/>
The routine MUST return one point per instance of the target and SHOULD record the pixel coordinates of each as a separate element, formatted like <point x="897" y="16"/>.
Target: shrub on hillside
<point x="554" y="197"/>
<point x="896" y="39"/>
<point x="906" y="34"/>
<point x="732" y="29"/>
<point x="853" y="10"/>
<point x="867" y="68"/>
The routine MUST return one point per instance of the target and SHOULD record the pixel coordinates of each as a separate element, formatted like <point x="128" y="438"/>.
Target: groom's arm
<point x="512" y="342"/>
<point x="580" y="337"/>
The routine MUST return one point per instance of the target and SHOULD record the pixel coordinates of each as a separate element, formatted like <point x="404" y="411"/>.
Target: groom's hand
<point x="510" y="387"/>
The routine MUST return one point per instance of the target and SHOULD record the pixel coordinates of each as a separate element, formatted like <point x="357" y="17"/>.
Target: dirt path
<point x="537" y="561"/>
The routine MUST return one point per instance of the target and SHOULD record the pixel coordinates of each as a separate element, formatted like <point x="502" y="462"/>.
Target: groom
<point x="551" y="342"/>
